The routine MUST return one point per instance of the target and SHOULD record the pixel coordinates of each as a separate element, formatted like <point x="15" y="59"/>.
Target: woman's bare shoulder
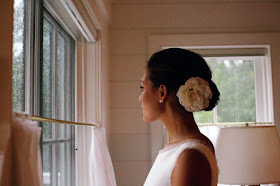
<point x="192" y="168"/>
<point x="201" y="137"/>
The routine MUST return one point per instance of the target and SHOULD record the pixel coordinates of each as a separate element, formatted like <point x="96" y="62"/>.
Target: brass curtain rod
<point x="42" y="119"/>
<point x="233" y="124"/>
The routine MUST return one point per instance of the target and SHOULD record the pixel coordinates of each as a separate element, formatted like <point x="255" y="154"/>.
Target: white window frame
<point x="245" y="40"/>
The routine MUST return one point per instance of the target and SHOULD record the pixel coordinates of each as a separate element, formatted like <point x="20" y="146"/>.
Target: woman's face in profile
<point x="149" y="99"/>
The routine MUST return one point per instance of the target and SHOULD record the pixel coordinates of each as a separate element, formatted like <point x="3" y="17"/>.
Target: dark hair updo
<point x="174" y="66"/>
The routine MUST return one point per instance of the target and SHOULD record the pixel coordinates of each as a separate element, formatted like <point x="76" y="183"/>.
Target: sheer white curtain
<point x="93" y="162"/>
<point x="100" y="163"/>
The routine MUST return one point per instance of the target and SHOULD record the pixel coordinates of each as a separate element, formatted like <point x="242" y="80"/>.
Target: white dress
<point x="160" y="174"/>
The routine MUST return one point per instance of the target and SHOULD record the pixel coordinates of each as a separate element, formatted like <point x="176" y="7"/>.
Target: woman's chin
<point x="145" y="119"/>
<point x="148" y="119"/>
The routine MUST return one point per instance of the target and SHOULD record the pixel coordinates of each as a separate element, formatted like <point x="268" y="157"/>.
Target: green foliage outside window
<point x="235" y="81"/>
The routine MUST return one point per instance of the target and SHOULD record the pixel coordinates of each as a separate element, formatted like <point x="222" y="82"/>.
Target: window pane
<point x="235" y="81"/>
<point x="47" y="165"/>
<point x="203" y="117"/>
<point x="61" y="81"/>
<point x="19" y="56"/>
<point x="46" y="87"/>
<point x="63" y="164"/>
<point x="61" y="93"/>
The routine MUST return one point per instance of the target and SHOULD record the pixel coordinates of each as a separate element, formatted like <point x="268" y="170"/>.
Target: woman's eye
<point x="142" y="88"/>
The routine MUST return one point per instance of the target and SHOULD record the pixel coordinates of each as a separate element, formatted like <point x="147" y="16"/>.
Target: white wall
<point x="132" y="23"/>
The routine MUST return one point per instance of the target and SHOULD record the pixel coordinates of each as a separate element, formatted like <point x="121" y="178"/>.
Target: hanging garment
<point x="26" y="157"/>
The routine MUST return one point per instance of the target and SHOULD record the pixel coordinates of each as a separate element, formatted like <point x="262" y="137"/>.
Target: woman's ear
<point x="163" y="92"/>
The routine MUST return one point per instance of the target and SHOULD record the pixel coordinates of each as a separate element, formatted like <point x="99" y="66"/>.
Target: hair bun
<point x="215" y="97"/>
<point x="172" y="67"/>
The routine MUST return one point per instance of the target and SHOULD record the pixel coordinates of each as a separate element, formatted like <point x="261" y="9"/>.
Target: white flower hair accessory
<point x="195" y="95"/>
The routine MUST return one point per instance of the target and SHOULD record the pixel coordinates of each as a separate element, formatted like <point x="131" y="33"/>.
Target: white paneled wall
<point x="132" y="23"/>
<point x="211" y="14"/>
<point x="135" y="64"/>
<point x="131" y="147"/>
<point x="131" y="124"/>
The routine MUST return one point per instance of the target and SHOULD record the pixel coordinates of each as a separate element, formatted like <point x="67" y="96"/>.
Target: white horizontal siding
<point x="127" y="121"/>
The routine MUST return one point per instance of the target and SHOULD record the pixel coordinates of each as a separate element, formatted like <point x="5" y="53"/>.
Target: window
<point x="48" y="77"/>
<point x="20" y="40"/>
<point x="241" y="76"/>
<point x="234" y="77"/>
<point x="57" y="101"/>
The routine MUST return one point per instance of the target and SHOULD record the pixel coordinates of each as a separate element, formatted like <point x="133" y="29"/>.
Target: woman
<point x="176" y="83"/>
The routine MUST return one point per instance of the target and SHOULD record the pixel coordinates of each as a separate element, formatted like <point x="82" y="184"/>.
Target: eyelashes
<point x="142" y="88"/>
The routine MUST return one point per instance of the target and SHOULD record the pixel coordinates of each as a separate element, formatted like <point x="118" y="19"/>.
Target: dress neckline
<point x="173" y="146"/>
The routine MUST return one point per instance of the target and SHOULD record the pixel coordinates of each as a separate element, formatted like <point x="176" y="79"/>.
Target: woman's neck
<point x="180" y="126"/>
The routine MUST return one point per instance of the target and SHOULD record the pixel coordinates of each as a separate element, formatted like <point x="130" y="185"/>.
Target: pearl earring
<point x="160" y="101"/>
